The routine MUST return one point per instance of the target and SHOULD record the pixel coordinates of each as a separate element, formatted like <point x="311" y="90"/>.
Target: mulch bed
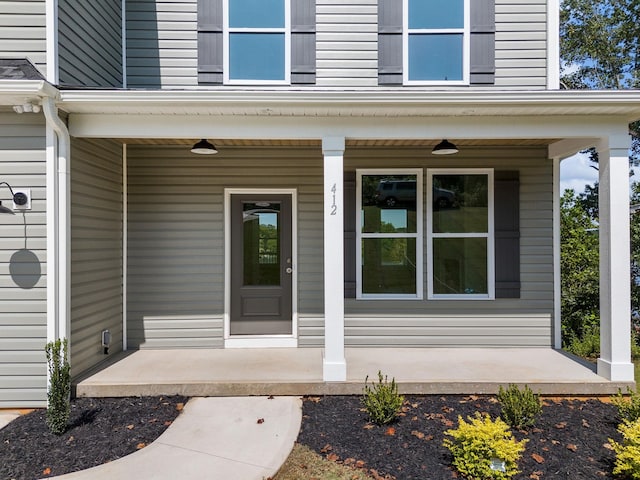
<point x="570" y="438"/>
<point x="100" y="430"/>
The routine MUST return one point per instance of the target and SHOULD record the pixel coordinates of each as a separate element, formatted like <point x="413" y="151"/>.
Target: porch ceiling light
<point x="18" y="198"/>
<point x="445" y="147"/>
<point x="204" y="148"/>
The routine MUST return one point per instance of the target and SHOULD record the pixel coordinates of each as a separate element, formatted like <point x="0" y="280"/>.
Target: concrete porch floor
<point x="298" y="371"/>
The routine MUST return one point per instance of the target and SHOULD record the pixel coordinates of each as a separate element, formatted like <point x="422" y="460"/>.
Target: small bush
<point x="628" y="407"/>
<point x="480" y="446"/>
<point x="628" y="453"/>
<point x="382" y="400"/>
<point x="519" y="407"/>
<point x="588" y="345"/>
<point x="59" y="393"/>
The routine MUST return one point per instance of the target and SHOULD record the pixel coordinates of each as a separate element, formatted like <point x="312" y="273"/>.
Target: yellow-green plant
<point x="519" y="407"/>
<point x="484" y="449"/>
<point x="59" y="392"/>
<point x="628" y="452"/>
<point x="628" y="406"/>
<point x="382" y="400"/>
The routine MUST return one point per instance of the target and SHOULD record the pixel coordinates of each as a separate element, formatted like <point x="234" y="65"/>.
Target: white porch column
<point x="334" y="366"/>
<point x="615" y="290"/>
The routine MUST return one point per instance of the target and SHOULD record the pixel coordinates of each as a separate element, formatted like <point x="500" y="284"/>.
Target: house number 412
<point x="334" y="208"/>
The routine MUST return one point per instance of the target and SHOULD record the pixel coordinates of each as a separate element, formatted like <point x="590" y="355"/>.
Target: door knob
<point x="289" y="270"/>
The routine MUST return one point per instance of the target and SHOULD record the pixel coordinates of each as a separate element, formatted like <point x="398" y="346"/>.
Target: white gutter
<point x="59" y="213"/>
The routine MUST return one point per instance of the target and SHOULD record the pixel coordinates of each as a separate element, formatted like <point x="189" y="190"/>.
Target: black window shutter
<point x="349" y="200"/>
<point x="507" y="233"/>
<point x="303" y="41"/>
<point x="483" y="39"/>
<point x="210" y="53"/>
<point x="390" y="42"/>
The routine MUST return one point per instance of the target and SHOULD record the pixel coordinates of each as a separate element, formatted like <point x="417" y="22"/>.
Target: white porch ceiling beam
<point x="567" y="147"/>
<point x="294" y="127"/>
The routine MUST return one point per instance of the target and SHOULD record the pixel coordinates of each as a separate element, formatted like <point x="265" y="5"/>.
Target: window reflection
<point x="261" y="259"/>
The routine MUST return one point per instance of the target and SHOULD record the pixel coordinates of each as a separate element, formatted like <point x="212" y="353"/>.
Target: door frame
<point x="260" y="341"/>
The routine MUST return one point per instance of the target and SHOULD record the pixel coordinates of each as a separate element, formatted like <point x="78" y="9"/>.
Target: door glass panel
<point x="261" y="243"/>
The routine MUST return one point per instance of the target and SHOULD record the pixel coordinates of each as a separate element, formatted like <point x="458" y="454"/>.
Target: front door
<point x="261" y="264"/>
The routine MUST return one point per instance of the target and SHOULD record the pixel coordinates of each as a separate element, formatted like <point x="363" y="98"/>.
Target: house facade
<point x="328" y="218"/>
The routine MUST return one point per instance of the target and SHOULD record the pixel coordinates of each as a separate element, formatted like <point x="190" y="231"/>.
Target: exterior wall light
<point x="445" y="147"/>
<point x="204" y="148"/>
<point x="21" y="200"/>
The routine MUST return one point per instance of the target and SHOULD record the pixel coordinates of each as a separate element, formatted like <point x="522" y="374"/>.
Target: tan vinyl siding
<point x="23" y="31"/>
<point x="503" y="322"/>
<point x="23" y="269"/>
<point x="176" y="250"/>
<point x="162" y="43"/>
<point x="176" y="235"/>
<point x="521" y="44"/>
<point x="90" y="43"/>
<point x="96" y="250"/>
<point x="347" y="43"/>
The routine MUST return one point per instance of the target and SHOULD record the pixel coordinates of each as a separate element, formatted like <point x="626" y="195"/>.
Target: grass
<point x="305" y="463"/>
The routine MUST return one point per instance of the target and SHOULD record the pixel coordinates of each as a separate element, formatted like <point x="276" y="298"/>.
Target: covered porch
<point x="298" y="371"/>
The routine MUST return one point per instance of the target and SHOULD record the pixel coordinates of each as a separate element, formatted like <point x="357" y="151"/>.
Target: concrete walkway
<point x="230" y="438"/>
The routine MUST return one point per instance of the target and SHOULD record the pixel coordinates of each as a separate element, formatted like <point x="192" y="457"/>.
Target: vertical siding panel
<point x="23" y="297"/>
<point x="347" y="43"/>
<point x="23" y="31"/>
<point x="521" y="44"/>
<point x="96" y="250"/>
<point x="90" y="43"/>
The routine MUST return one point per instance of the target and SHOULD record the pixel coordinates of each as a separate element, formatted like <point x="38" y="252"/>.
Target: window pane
<point x="460" y="203"/>
<point x="256" y="56"/>
<point x="459" y="266"/>
<point x="436" y="13"/>
<point x="389" y="203"/>
<point x="389" y="266"/>
<point x="256" y="13"/>
<point x="261" y="249"/>
<point x="435" y="56"/>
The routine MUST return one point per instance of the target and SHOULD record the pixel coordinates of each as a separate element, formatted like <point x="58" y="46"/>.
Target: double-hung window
<point x="389" y="233"/>
<point x="460" y="240"/>
<point x="257" y="38"/>
<point x="436" y="41"/>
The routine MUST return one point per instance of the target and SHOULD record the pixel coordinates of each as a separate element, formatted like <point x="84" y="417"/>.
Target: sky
<point x="576" y="172"/>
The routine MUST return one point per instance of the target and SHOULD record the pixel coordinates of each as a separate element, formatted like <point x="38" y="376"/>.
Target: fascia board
<point x="621" y="103"/>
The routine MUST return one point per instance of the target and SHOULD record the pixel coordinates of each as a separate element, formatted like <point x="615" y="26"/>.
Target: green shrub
<point x="484" y="449"/>
<point x="519" y="407"/>
<point x="382" y="401"/>
<point x="59" y="393"/>
<point x="588" y="345"/>
<point x="628" y="406"/>
<point x="628" y="453"/>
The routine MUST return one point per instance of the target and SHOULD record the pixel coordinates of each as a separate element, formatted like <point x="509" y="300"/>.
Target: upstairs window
<point x="436" y="41"/>
<point x="257" y="38"/>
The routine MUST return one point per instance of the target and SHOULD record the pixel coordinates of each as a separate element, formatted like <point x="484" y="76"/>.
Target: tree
<point x="579" y="264"/>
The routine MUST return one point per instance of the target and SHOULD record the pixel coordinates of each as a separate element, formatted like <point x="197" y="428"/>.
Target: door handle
<point x="289" y="270"/>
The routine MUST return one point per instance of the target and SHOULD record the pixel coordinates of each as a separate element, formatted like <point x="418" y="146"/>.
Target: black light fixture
<point x="445" y="147"/>
<point x="19" y="198"/>
<point x="204" y="148"/>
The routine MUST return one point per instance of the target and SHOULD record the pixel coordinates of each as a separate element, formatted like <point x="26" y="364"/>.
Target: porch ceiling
<point x="350" y="143"/>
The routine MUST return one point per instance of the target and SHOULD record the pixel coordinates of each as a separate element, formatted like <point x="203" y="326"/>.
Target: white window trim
<point x="226" y="30"/>
<point x="466" y="47"/>
<point x="418" y="235"/>
<point x="489" y="235"/>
